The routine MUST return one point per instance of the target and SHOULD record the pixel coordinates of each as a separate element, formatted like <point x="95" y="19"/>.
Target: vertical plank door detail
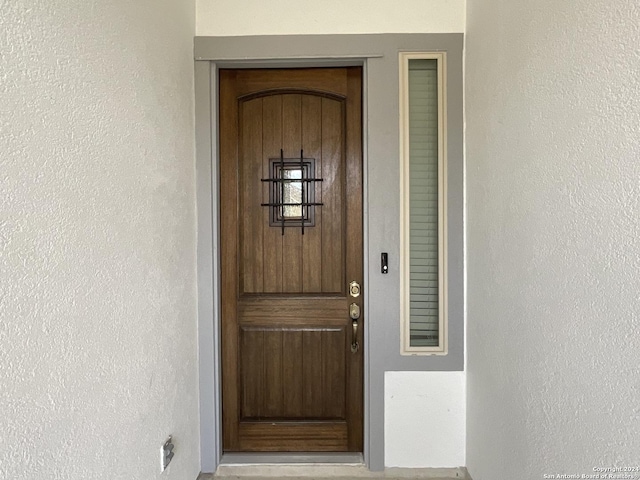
<point x="290" y="381"/>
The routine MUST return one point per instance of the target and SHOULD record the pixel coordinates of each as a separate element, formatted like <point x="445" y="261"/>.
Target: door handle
<point x="354" y="313"/>
<point x="354" y="337"/>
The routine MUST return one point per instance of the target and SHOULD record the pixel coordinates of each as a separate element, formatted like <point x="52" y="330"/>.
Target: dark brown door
<point x="291" y="235"/>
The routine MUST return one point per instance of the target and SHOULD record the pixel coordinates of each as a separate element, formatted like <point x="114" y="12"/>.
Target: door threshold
<point x="304" y="458"/>
<point x="292" y="465"/>
<point x="306" y="466"/>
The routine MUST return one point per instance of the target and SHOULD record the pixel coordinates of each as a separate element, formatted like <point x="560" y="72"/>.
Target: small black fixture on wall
<point x="384" y="262"/>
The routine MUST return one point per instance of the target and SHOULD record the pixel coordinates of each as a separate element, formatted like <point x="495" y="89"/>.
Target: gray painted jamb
<point x="215" y="183"/>
<point x="365" y="244"/>
<point x="205" y="190"/>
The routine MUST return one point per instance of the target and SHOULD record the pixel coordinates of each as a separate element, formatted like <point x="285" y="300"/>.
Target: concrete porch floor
<point x="331" y="472"/>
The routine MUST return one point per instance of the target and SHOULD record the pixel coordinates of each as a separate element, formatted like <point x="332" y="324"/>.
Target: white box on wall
<point x="425" y="419"/>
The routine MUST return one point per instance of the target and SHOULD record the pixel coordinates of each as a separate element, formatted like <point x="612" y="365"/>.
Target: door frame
<point x="209" y="279"/>
<point x="378" y="55"/>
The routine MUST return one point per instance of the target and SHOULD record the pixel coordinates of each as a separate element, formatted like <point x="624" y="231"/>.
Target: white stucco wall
<point x="553" y="149"/>
<point x="424" y="417"/>
<point x="97" y="240"/>
<point x="284" y="17"/>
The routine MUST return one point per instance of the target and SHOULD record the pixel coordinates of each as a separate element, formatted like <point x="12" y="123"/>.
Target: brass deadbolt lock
<point x="354" y="289"/>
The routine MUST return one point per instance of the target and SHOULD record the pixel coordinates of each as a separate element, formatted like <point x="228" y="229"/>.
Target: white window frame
<point x="405" y="293"/>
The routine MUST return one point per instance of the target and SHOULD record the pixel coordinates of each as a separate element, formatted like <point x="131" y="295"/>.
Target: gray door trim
<point x="207" y="268"/>
<point x="379" y="56"/>
<point x="206" y="77"/>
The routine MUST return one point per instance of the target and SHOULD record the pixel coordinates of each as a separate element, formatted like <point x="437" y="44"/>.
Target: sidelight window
<point x="423" y="210"/>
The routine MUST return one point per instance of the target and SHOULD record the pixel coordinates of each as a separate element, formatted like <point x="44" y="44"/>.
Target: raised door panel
<point x="293" y="373"/>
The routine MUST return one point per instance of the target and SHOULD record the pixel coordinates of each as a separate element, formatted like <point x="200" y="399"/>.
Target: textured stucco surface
<point x="97" y="239"/>
<point x="291" y="17"/>
<point x="553" y="189"/>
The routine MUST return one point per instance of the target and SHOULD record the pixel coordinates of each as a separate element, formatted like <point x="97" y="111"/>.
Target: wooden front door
<point x="291" y="236"/>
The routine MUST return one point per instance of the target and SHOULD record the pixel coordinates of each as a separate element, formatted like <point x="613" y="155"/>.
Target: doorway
<point x="291" y="227"/>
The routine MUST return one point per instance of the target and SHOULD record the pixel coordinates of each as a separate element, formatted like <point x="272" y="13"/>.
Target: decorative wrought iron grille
<point x="292" y="192"/>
